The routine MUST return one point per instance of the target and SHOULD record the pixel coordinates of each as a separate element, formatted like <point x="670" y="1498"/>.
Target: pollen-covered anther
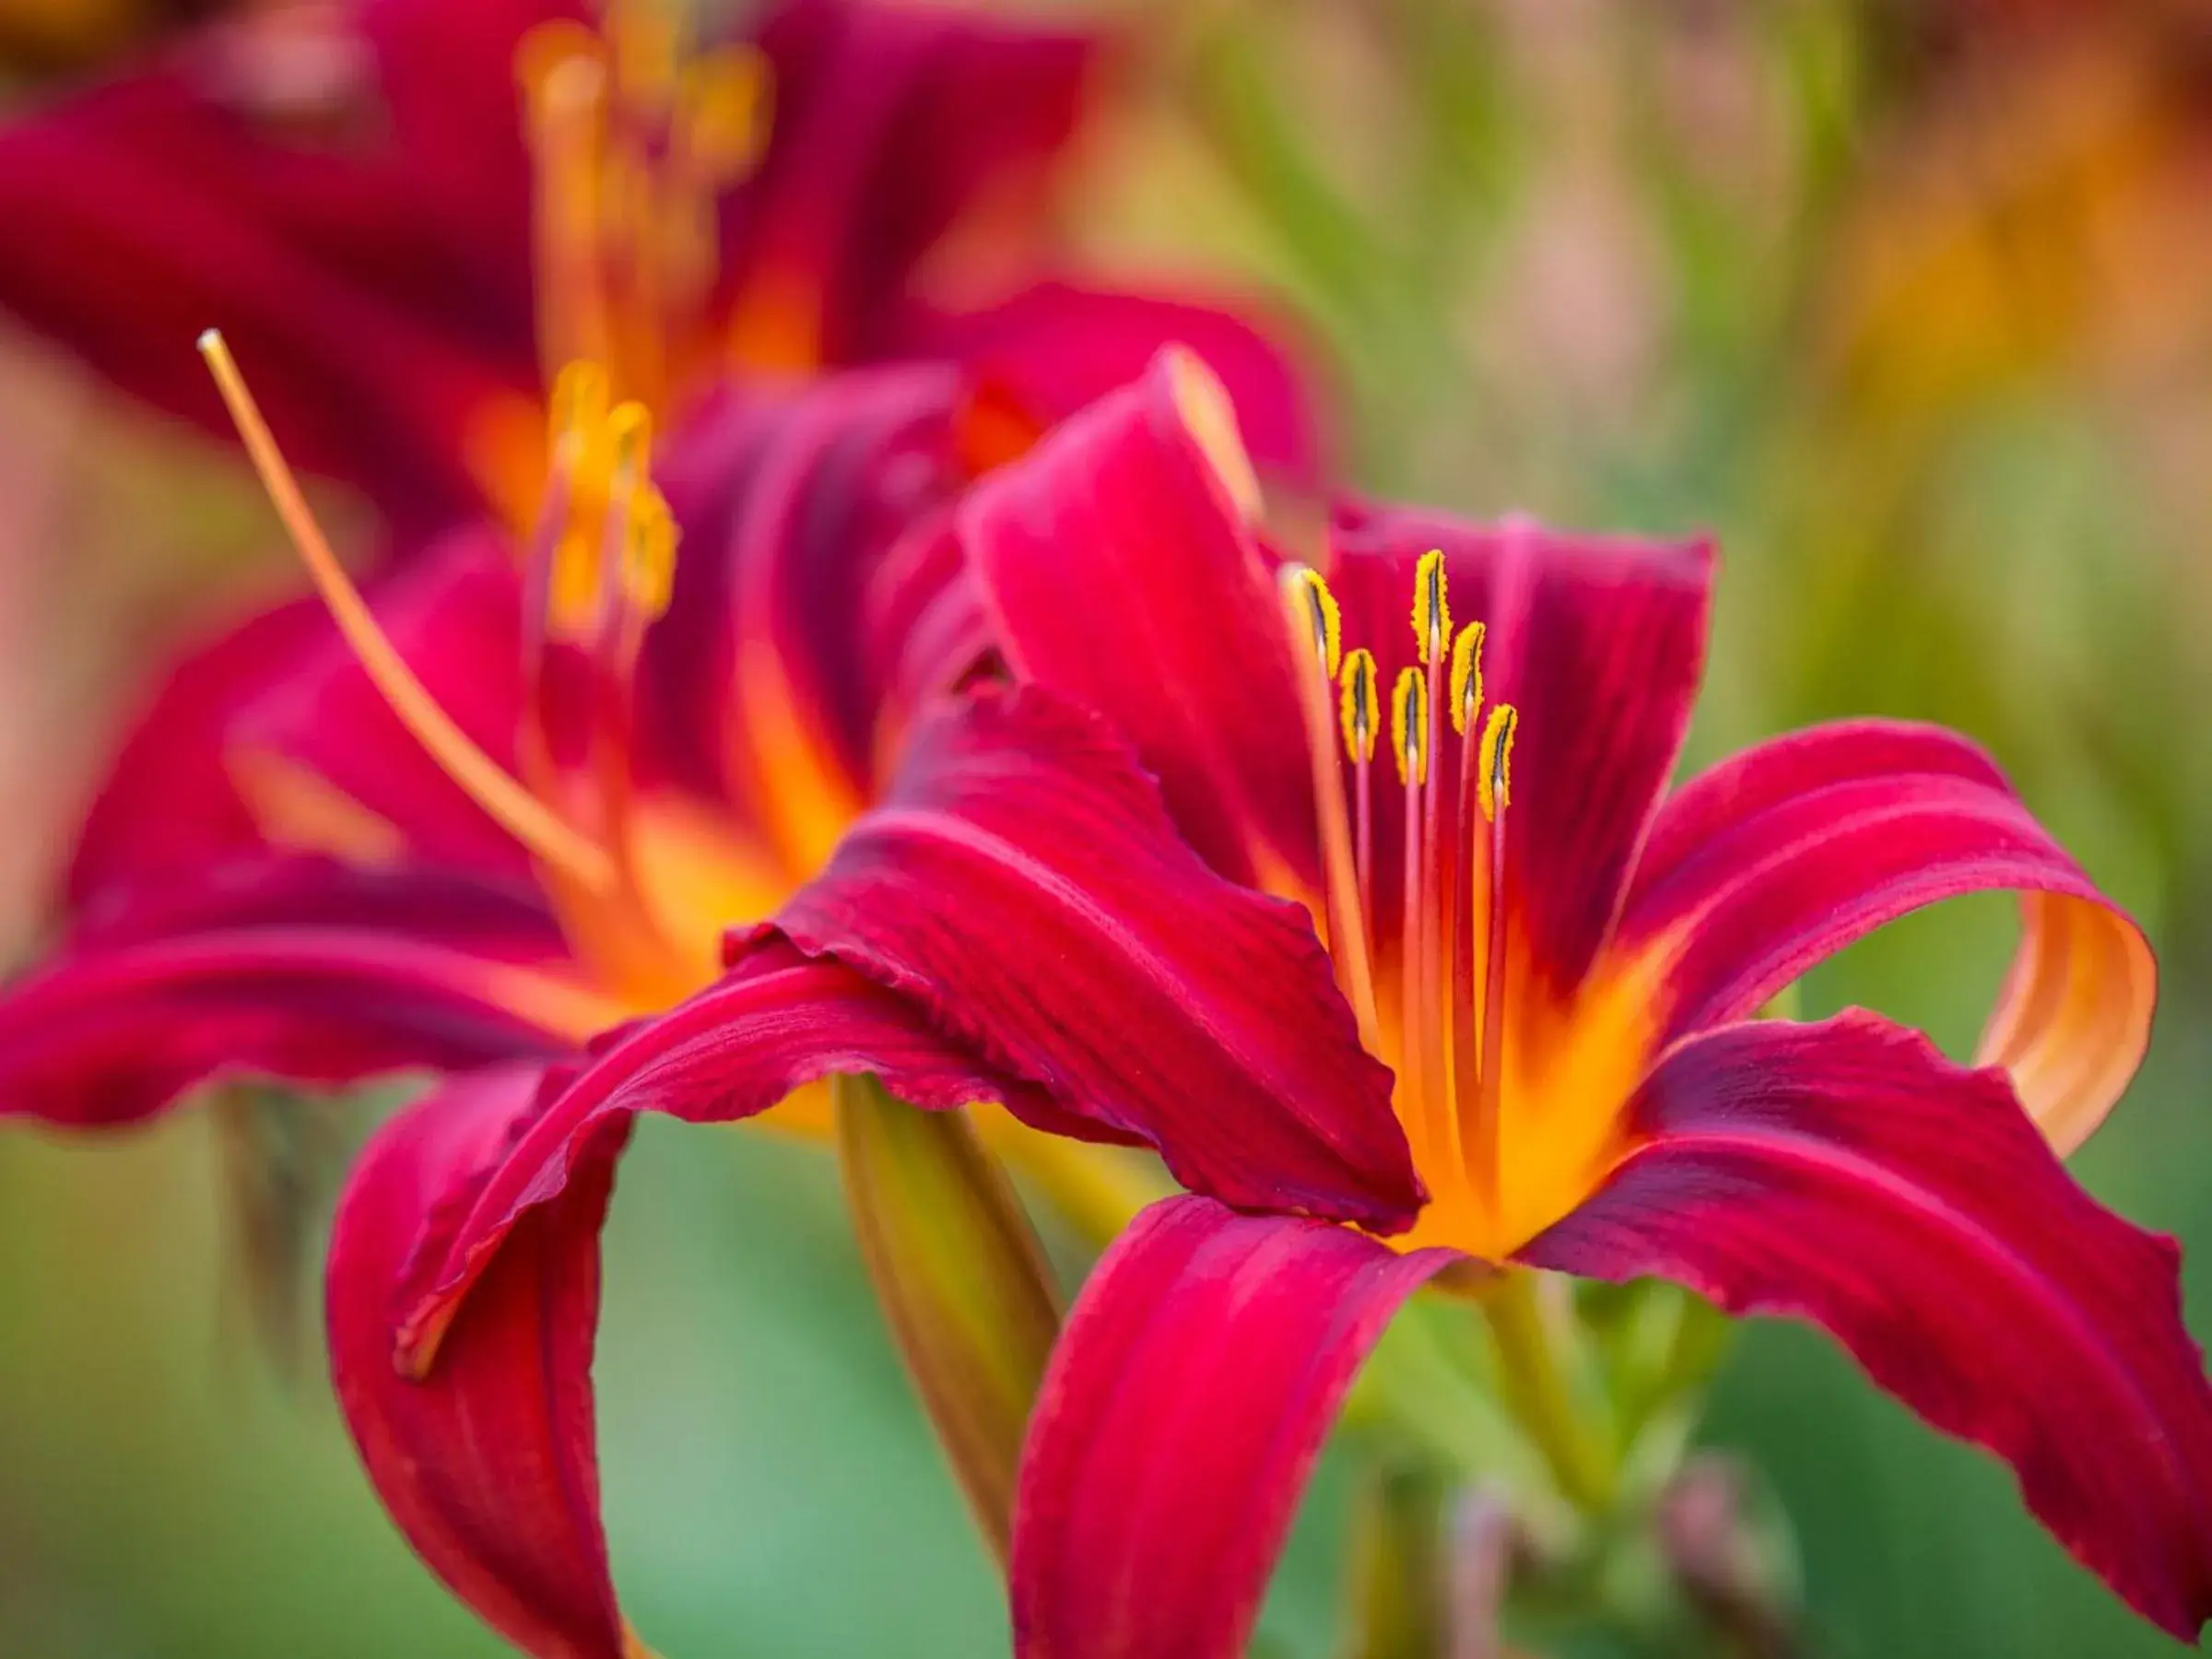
<point x="649" y="557"/>
<point x="614" y="538"/>
<point x="1495" y="781"/>
<point x="643" y="37"/>
<point x="546" y="51"/>
<point x="629" y="441"/>
<point x="722" y="111"/>
<point x="1359" y="707"/>
<point x="1466" y="676"/>
<point x="576" y="412"/>
<point x="632" y="134"/>
<point x="1432" y="607"/>
<point x="1409" y="727"/>
<point x="1317" y="612"/>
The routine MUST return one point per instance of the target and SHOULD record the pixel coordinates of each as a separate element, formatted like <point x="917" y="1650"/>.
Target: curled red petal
<point x="776" y="1021"/>
<point x="464" y="1282"/>
<point x="1121" y="571"/>
<point x="293" y="968"/>
<point x="1022" y="881"/>
<point x="488" y="1467"/>
<point x="1599" y="642"/>
<point x="1785" y="854"/>
<point x="1193" y="1384"/>
<point x="1847" y="1174"/>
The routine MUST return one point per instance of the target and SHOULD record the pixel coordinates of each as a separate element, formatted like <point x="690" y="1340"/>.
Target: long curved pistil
<point x="514" y="808"/>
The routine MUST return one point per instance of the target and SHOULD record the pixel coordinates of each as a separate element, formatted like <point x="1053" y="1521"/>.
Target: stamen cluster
<point x="1448" y="950"/>
<point x="633" y="140"/>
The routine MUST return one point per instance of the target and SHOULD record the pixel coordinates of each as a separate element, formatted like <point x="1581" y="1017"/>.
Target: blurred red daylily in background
<point x="406" y="250"/>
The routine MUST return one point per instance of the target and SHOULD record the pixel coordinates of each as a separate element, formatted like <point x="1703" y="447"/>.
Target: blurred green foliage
<point x="1704" y="263"/>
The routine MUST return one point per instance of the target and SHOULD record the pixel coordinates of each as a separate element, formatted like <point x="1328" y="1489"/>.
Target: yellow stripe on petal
<point x="2074" y="1018"/>
<point x="806" y="797"/>
<point x="295" y="806"/>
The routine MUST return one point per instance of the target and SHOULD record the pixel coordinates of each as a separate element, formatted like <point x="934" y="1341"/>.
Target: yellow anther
<point x="577" y="411"/>
<point x="1360" y="706"/>
<point x="1431" y="608"/>
<point x="630" y="444"/>
<point x="1466" y="676"/>
<point x="723" y="110"/>
<point x="546" y="47"/>
<point x="644" y="38"/>
<point x="1313" y="608"/>
<point x="1495" y="784"/>
<point x="1409" y="727"/>
<point x="649" y="556"/>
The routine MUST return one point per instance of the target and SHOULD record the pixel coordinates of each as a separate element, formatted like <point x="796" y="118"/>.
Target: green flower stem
<point x="1542" y="1396"/>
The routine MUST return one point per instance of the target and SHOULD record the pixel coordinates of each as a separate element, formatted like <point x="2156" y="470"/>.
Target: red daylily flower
<point x="358" y="200"/>
<point x="502" y="805"/>
<point x="1561" y="963"/>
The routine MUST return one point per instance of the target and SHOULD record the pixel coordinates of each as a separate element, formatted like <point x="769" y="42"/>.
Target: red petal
<point x="1599" y="643"/>
<point x="1022" y="881"/>
<point x="780" y="575"/>
<point x="463" y="1283"/>
<point x="1785" y="854"/>
<point x="161" y="204"/>
<point x="1847" y="1174"/>
<point x="1121" y="572"/>
<point x="491" y="1467"/>
<point x="1056" y="348"/>
<point x="167" y="807"/>
<point x="1193" y="1384"/>
<point x="282" y="685"/>
<point x="893" y="124"/>
<point x="450" y="97"/>
<point x="775" y="1022"/>
<point x="455" y="613"/>
<point x="294" y="968"/>
<point x="928" y="628"/>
